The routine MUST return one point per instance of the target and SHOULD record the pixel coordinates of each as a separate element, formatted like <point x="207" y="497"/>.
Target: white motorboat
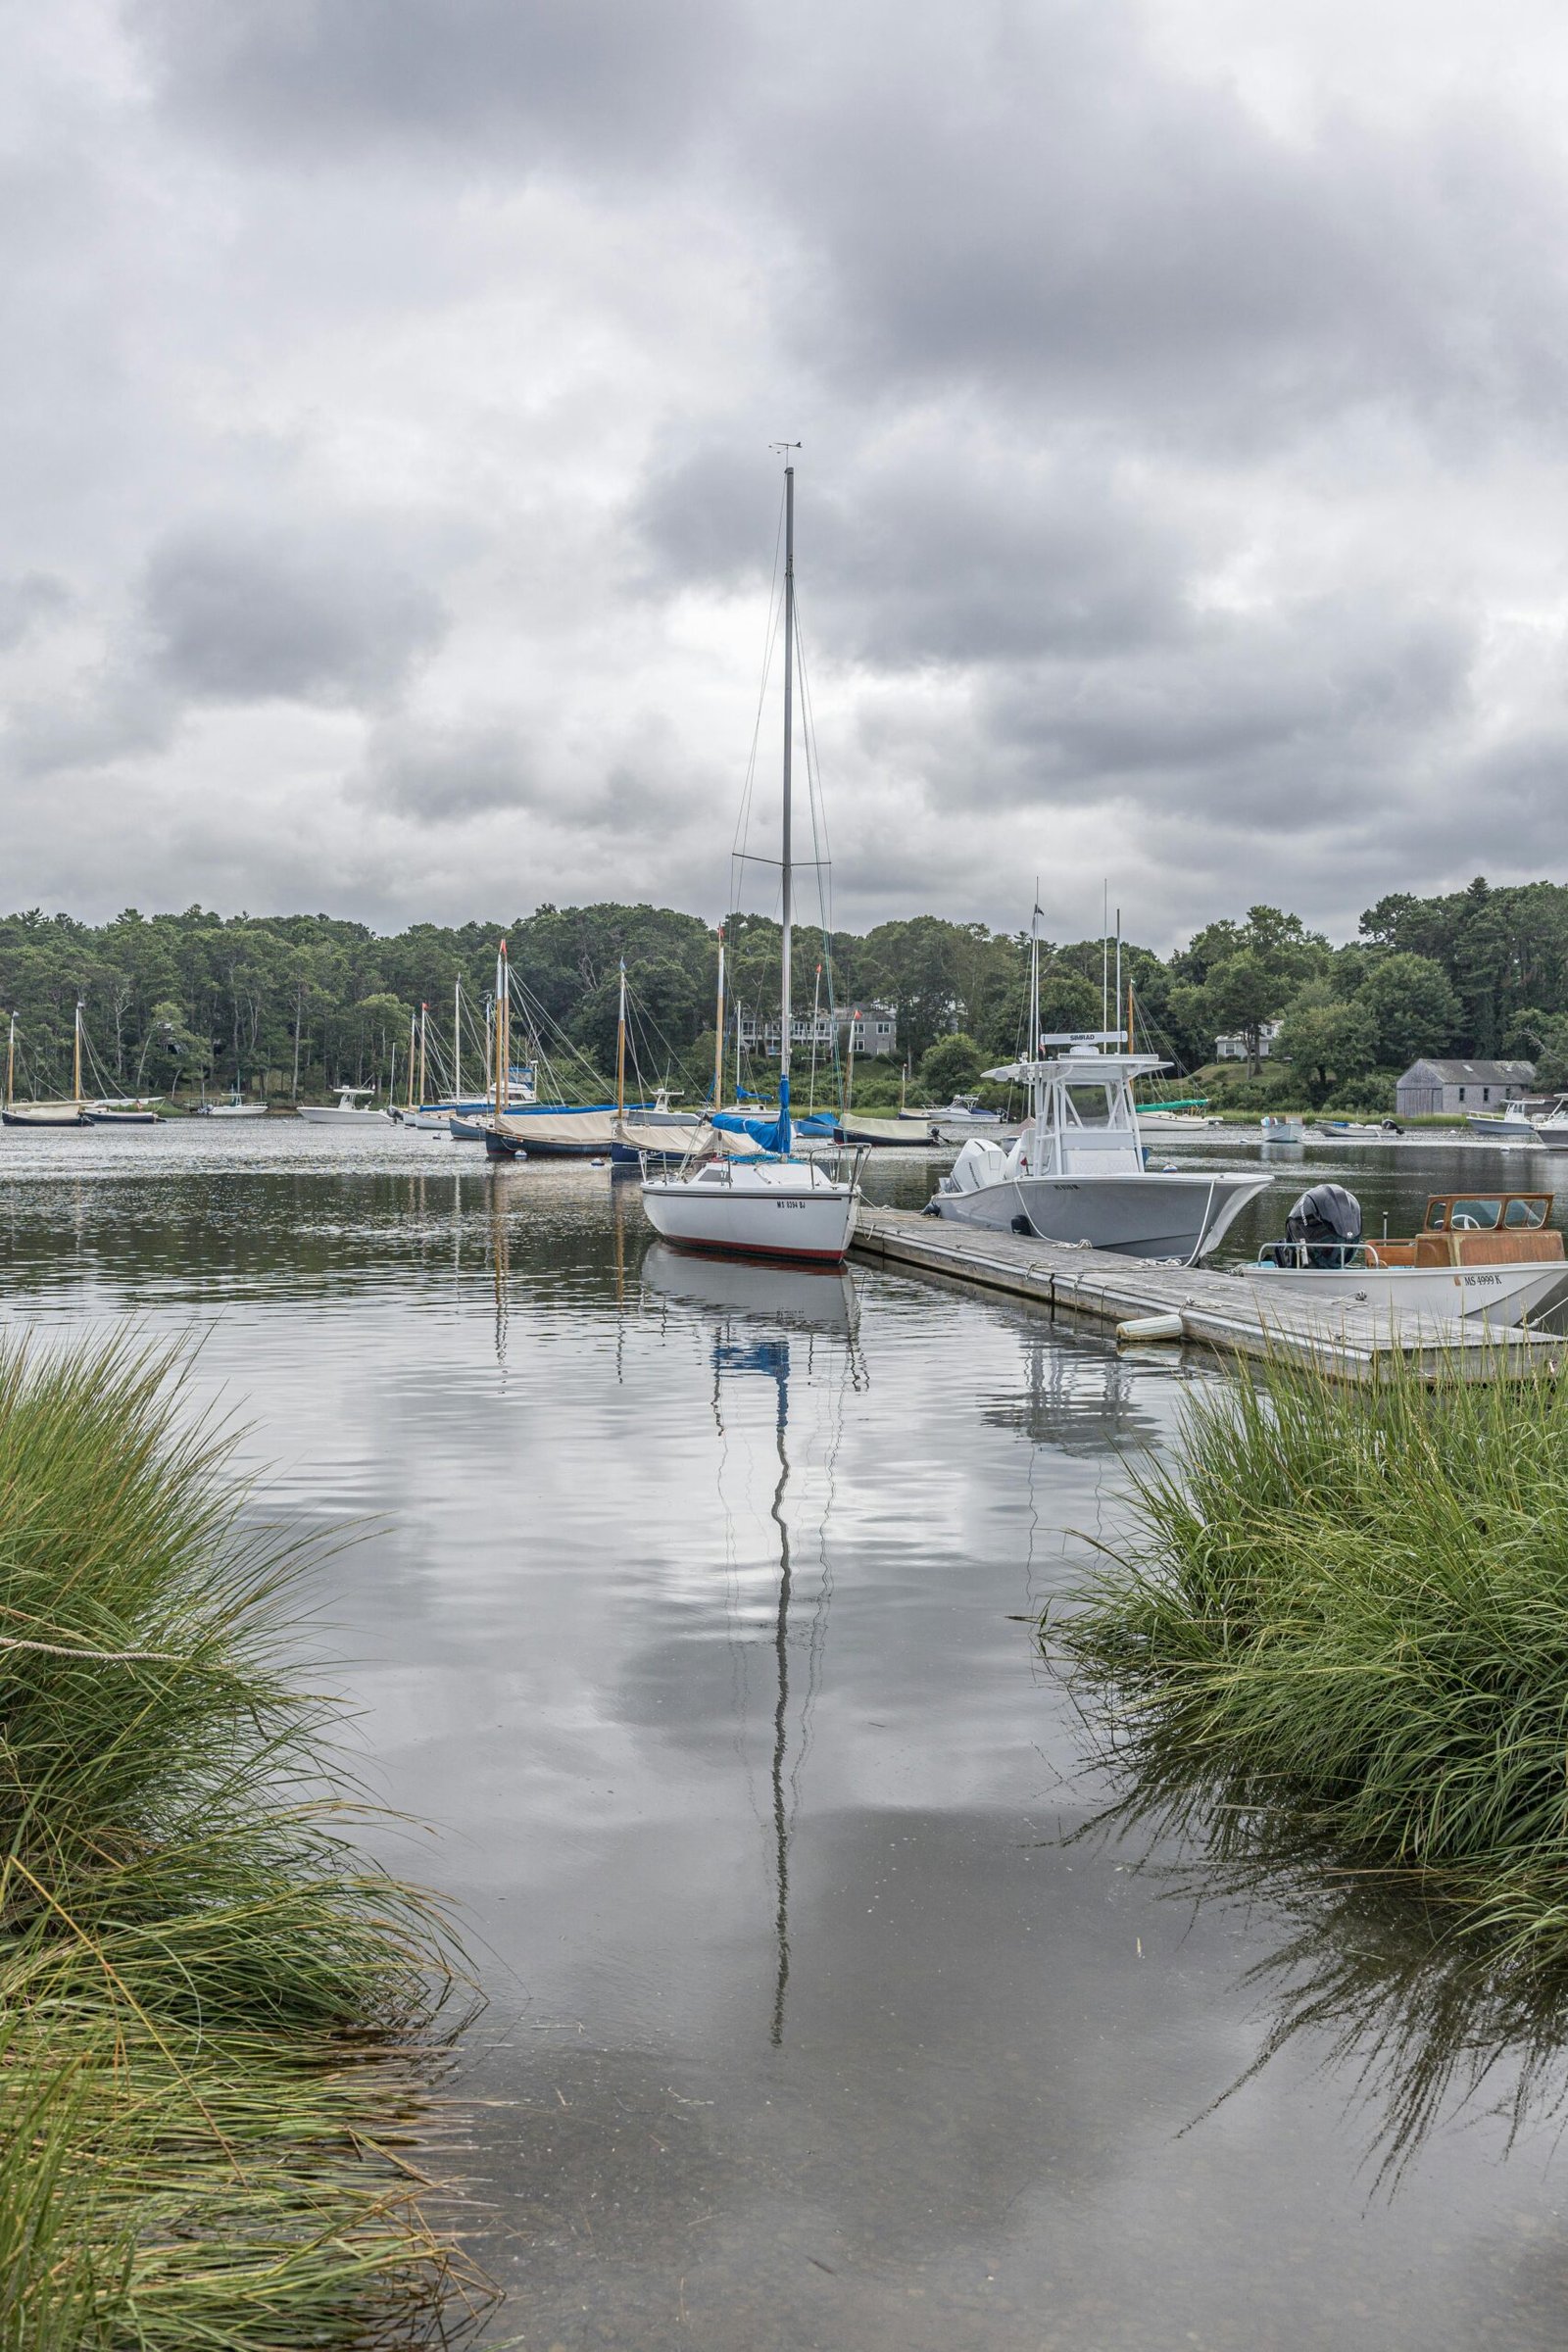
<point x="776" y="1206"/>
<point x="966" y="1117"/>
<point x="1280" y="1127"/>
<point x="1487" y="1258"/>
<point x="346" y="1111"/>
<point x="1510" y="1126"/>
<point x="234" y="1108"/>
<point x="1072" y="1178"/>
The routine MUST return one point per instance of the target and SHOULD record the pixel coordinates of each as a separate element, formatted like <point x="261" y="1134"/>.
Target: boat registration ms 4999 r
<point x="1491" y="1257"/>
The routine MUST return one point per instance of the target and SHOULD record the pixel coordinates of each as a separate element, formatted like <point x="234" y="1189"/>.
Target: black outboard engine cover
<point x="1328" y="1220"/>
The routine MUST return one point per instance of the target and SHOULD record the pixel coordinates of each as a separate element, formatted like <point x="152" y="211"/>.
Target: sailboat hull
<point x="782" y="1210"/>
<point x="46" y="1114"/>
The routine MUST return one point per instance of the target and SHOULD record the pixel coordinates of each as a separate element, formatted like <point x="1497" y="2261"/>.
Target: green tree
<point x="1233" y="977"/>
<point x="1325" y="1038"/>
<point x="1408" y="1008"/>
<point x="952" y="1066"/>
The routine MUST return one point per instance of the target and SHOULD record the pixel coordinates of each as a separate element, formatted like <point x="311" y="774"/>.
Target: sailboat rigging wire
<point x="775" y="619"/>
<point x="824" y="858"/>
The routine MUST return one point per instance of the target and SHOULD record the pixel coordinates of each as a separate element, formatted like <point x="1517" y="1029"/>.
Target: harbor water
<point x="693" y="1608"/>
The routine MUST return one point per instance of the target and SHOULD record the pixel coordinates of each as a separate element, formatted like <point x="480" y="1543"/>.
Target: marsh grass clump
<point x="218" y="2028"/>
<point x="1351" y="1602"/>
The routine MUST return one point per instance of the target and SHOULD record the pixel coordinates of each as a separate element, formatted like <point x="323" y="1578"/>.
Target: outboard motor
<point x="1324" y="1226"/>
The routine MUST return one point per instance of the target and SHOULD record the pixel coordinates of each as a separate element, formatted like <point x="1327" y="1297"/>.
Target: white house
<point x="874" y="1029"/>
<point x="1234" y="1048"/>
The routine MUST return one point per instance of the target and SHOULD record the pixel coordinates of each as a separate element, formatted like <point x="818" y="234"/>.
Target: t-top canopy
<point x="1082" y="1065"/>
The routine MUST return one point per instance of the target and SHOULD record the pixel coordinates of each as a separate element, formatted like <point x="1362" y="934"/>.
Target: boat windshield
<point x="1519" y="1211"/>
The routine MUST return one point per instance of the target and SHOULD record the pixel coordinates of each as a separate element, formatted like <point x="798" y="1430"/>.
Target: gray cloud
<point x="239" y="615"/>
<point x="30" y="602"/>
<point x="1071" y="220"/>
<point x="949" y="552"/>
<point x="519" y="80"/>
<point x="439" y="774"/>
<point x="1180" y="482"/>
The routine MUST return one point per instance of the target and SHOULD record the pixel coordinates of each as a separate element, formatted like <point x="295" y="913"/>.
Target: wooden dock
<point x="1217" y="1310"/>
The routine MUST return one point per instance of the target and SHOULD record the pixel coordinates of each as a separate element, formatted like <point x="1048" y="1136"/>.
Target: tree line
<point x="293" y="1004"/>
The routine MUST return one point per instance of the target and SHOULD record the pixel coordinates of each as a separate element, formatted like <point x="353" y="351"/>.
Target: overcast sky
<point x="389" y="512"/>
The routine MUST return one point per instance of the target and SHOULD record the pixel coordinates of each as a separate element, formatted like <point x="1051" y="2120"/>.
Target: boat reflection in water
<point x="759" y="1317"/>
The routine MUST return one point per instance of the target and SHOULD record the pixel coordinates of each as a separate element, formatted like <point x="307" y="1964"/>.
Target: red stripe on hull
<point x="792" y="1258"/>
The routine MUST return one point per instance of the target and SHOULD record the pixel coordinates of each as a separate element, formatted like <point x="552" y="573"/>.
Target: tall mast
<point x="1033" y="1049"/>
<point x="789" y="747"/>
<point x="1118" y="974"/>
<point x="620" y="1048"/>
<point x="817" y="1008"/>
<point x="719" y="1030"/>
<point x="456" y="1040"/>
<point x="424" y="1017"/>
<point x="11" y="1062"/>
<point x="503" y="1030"/>
<point x="75" y="1064"/>
<point x="413" y="1039"/>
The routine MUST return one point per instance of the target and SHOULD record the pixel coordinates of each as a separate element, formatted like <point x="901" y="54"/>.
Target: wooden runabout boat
<point x="1486" y="1257"/>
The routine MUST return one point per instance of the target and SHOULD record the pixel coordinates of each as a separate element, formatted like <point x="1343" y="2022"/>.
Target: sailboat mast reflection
<point x="781" y="1652"/>
<point x="778" y="1306"/>
<point x="772" y="1359"/>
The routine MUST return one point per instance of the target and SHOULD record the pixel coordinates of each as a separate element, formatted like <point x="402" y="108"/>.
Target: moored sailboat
<point x="775" y="1206"/>
<point x="71" y="1114"/>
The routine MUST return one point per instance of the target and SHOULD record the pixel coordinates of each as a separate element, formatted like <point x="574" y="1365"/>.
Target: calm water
<point x="698" y="1626"/>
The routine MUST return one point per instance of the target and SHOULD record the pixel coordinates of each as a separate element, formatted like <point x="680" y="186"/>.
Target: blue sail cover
<point x="772" y="1134"/>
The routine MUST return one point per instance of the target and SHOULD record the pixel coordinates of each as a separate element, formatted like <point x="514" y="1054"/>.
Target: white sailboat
<point x="1072" y="1179"/>
<point x="775" y="1206"/>
<point x="71" y="1114"/>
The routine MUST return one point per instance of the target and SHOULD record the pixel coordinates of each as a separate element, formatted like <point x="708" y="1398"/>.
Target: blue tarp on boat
<point x="772" y="1134"/>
